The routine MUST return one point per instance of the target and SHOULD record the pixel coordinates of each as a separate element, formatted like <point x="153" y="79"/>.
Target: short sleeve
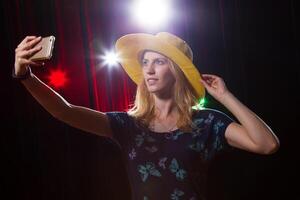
<point x="122" y="126"/>
<point x="219" y="125"/>
<point x="212" y="124"/>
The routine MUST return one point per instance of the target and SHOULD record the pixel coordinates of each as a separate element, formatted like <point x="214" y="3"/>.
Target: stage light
<point x="110" y="58"/>
<point x="57" y="78"/>
<point x="151" y="13"/>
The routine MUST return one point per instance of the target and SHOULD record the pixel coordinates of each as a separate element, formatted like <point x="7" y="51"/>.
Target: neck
<point x="164" y="107"/>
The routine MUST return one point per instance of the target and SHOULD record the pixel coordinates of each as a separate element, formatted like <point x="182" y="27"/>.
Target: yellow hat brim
<point x="129" y="46"/>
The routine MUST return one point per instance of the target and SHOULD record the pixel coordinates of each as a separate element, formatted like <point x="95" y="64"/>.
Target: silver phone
<point x="45" y="53"/>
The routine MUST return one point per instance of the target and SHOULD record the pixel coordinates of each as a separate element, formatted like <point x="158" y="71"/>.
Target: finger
<point x="212" y="80"/>
<point x="214" y="84"/>
<point x="32" y="43"/>
<point x="208" y="80"/>
<point x="204" y="83"/>
<point x="29" y="53"/>
<point x="209" y="75"/>
<point x="206" y="76"/>
<point x="29" y="44"/>
<point x="26" y="39"/>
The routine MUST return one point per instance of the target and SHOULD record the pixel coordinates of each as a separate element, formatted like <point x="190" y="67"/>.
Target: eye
<point x="160" y="62"/>
<point x="144" y="62"/>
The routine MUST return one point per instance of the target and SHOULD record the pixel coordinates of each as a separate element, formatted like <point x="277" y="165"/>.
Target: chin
<point x="153" y="89"/>
<point x="158" y="91"/>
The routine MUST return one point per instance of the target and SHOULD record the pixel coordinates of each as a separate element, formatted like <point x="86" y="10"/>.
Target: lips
<point x="152" y="80"/>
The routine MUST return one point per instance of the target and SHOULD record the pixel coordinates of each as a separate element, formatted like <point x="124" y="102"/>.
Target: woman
<point x="167" y="145"/>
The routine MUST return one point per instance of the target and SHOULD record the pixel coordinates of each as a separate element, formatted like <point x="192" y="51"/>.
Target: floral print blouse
<point x="171" y="165"/>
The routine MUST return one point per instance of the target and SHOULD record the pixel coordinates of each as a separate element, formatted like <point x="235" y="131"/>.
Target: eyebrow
<point x="154" y="58"/>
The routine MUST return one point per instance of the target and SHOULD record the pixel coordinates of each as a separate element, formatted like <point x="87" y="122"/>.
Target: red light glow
<point x="58" y="78"/>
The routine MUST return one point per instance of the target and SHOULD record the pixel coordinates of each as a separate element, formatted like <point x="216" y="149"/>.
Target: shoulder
<point x="212" y="115"/>
<point x="117" y="113"/>
<point x="208" y="112"/>
<point x="120" y="116"/>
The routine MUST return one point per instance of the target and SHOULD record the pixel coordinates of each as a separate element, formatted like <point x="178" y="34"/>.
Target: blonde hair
<point x="143" y="109"/>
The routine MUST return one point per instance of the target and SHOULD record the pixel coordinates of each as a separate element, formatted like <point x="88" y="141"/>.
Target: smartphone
<point x="45" y="53"/>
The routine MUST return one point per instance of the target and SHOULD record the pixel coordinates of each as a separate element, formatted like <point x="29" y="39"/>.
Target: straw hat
<point x="129" y="47"/>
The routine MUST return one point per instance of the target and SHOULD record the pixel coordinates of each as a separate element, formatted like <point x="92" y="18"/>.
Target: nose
<point x="149" y="69"/>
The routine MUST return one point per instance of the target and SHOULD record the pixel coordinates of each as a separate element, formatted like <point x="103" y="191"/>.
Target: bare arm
<point x="253" y="134"/>
<point x="79" y="117"/>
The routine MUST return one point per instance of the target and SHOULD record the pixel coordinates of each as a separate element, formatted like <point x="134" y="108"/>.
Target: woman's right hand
<point x="23" y="53"/>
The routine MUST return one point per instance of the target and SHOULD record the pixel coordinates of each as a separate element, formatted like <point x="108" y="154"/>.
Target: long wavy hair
<point x="143" y="109"/>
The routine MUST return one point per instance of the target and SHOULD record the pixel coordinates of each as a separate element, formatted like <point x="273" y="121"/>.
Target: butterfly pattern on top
<point x="177" y="194"/>
<point x="159" y="164"/>
<point x="148" y="169"/>
<point x="162" y="162"/>
<point x="132" y="154"/>
<point x="173" y="136"/>
<point x="179" y="172"/>
<point x="141" y="138"/>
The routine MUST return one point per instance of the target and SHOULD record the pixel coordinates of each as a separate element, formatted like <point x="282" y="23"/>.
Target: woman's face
<point x="156" y="70"/>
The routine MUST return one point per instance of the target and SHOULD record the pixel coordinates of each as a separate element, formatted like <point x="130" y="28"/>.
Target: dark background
<point x="253" y="45"/>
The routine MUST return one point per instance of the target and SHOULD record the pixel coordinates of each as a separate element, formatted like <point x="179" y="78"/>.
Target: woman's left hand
<point x="215" y="86"/>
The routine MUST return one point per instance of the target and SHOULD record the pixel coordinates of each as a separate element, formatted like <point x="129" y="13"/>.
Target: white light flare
<point x="151" y="13"/>
<point x="110" y="58"/>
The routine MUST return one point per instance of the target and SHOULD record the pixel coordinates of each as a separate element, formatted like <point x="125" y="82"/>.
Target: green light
<point x="200" y="105"/>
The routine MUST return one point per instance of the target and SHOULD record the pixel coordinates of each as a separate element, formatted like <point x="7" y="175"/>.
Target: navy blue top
<point x="171" y="165"/>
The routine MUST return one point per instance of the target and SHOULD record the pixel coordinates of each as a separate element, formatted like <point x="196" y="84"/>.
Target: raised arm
<point x="79" y="117"/>
<point x="253" y="134"/>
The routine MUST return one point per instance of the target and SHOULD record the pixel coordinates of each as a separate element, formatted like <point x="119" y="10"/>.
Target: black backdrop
<point x="253" y="45"/>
